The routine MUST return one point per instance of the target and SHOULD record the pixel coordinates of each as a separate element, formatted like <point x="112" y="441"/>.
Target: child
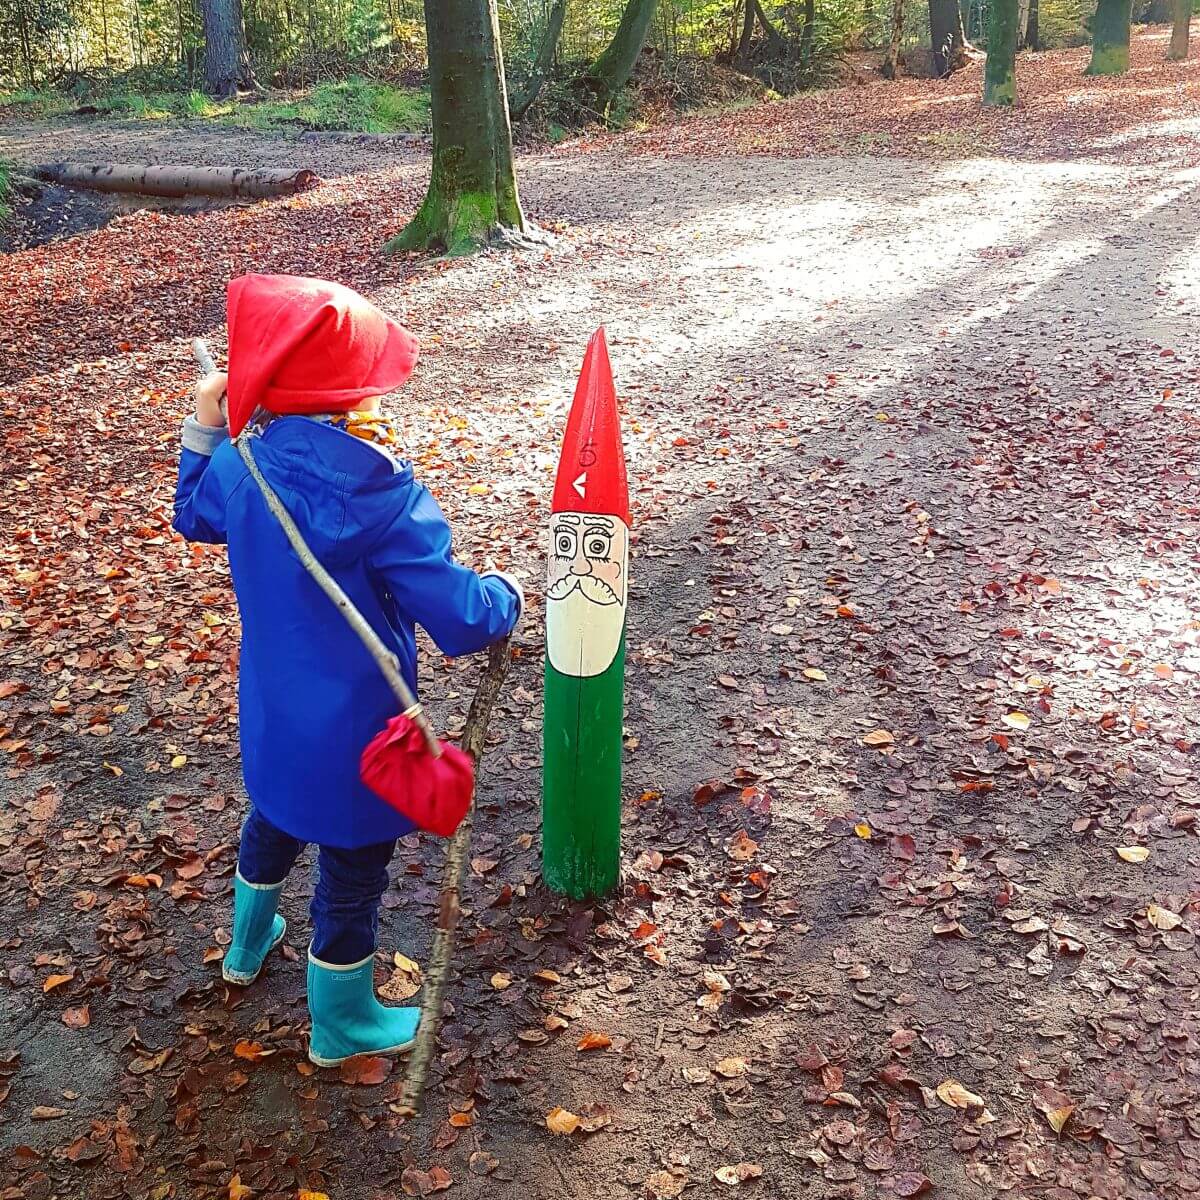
<point x="312" y="359"/>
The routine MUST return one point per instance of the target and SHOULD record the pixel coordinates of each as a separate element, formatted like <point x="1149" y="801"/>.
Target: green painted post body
<point x="1000" y="71"/>
<point x="581" y="797"/>
<point x="1110" y="38"/>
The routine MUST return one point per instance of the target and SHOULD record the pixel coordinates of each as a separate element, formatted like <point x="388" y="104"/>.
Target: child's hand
<point x="210" y="391"/>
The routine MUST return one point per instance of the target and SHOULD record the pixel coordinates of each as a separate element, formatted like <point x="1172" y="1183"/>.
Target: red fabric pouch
<point x="433" y="793"/>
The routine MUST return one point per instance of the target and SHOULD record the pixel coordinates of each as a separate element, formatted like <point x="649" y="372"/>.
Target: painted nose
<point x="581" y="564"/>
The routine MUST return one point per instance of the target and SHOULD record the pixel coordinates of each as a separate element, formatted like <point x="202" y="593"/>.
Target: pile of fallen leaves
<point x="1151" y="114"/>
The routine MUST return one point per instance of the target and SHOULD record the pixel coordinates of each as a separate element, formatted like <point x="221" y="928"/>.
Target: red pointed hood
<point x="300" y="345"/>
<point x="591" y="471"/>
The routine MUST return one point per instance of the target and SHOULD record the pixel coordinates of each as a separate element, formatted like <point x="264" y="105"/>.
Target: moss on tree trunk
<point x="1180" y="31"/>
<point x="611" y="71"/>
<point x="1000" y="72"/>
<point x="472" y="197"/>
<point x="1110" y="38"/>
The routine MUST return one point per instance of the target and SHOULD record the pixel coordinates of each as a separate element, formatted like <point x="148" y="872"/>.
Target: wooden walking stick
<point x="457" y="855"/>
<point x="473" y="737"/>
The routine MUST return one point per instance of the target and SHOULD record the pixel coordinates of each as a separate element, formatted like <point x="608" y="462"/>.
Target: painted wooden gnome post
<point x="587" y="589"/>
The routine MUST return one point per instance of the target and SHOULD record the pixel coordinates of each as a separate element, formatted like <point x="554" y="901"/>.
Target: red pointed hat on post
<point x="299" y="345"/>
<point x="591" y="470"/>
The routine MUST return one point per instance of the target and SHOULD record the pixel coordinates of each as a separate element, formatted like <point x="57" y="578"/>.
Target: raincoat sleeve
<point x="462" y="611"/>
<point x="199" y="499"/>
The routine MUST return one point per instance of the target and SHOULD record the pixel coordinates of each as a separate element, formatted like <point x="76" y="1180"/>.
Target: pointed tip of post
<point x="591" y="470"/>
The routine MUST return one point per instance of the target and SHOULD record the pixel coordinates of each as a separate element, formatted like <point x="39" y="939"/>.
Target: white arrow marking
<point x="580" y="485"/>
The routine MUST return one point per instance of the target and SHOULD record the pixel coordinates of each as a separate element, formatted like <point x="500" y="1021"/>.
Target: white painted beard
<point x="582" y="637"/>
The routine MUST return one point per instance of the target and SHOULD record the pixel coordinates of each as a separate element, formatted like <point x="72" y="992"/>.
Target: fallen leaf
<point x="180" y="760"/>
<point x="1016" y="720"/>
<point x="737" y="1174"/>
<point x="1163" y="918"/>
<point x="54" y="981"/>
<point x="43" y="1112"/>
<point x="1133" y="854"/>
<point x="910" y="1184"/>
<point x="732" y="1068"/>
<point x="558" y="1120"/>
<point x="879" y="737"/>
<point x="415" y="1182"/>
<point x="742" y="847"/>
<point x="77" y="1018"/>
<point x="863" y="830"/>
<point x="815" y="673"/>
<point x="594" y="1041"/>
<point x="237" y="1190"/>
<point x="665" y="1185"/>
<point x="951" y="1092"/>
<point x="501" y="980"/>
<point x="251" y="1051"/>
<point x="366" y="1070"/>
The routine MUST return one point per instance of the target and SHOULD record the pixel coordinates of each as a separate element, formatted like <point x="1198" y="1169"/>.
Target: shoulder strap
<point x="384" y="658"/>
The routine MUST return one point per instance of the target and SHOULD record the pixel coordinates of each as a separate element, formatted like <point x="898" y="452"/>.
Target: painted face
<point x="586" y="591"/>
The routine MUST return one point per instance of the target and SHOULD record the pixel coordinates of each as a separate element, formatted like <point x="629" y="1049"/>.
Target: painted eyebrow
<point x="593" y="523"/>
<point x="567" y="518"/>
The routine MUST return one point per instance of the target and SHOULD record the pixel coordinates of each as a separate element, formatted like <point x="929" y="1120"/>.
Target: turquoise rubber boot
<point x="257" y="929"/>
<point x="347" y="1018"/>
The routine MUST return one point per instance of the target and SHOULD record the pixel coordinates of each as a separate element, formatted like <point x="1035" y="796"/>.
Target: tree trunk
<point x="1022" y="22"/>
<point x="806" y="34"/>
<point x="226" y="64"/>
<point x="1000" y="71"/>
<point x="1110" y="38"/>
<point x="611" y="71"/>
<point x="748" y="15"/>
<point x="1180" y="31"/>
<point x="26" y="48"/>
<point x="472" y="197"/>
<point x="518" y="106"/>
<point x="1031" y="26"/>
<point x="946" y="35"/>
<point x="893" y="51"/>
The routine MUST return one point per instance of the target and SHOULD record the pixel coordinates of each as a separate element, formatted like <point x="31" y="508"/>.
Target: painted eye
<point x="597" y="547"/>
<point x="565" y="545"/>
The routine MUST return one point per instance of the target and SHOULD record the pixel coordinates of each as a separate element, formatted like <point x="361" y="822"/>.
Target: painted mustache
<point x="595" y="590"/>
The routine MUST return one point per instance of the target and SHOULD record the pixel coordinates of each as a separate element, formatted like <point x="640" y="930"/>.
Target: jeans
<point x="350" y="883"/>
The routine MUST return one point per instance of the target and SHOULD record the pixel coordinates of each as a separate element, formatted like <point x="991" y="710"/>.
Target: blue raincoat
<point x="310" y="696"/>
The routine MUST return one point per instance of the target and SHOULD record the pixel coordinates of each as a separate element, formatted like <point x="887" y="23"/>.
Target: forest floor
<point x="910" y="900"/>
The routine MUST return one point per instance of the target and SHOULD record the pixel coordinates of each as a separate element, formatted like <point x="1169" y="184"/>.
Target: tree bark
<point x="1022" y="22"/>
<point x="518" y="106"/>
<point x="1031" y="27"/>
<point x="893" y="51"/>
<point x="611" y="71"/>
<point x="946" y="36"/>
<point x="748" y="15"/>
<point x="1000" y="71"/>
<point x="472" y="197"/>
<point x="1180" y="31"/>
<point x="1110" y="38"/>
<point x="26" y="47"/>
<point x="806" y="33"/>
<point x="226" y="63"/>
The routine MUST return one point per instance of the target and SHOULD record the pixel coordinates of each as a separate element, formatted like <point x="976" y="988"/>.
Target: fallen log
<point x="145" y="180"/>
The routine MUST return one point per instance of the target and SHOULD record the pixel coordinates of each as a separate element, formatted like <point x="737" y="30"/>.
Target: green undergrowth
<point x="352" y="105"/>
<point x="6" y="188"/>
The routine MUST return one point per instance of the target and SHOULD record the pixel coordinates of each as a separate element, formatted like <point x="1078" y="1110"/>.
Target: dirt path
<point x="914" y="651"/>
